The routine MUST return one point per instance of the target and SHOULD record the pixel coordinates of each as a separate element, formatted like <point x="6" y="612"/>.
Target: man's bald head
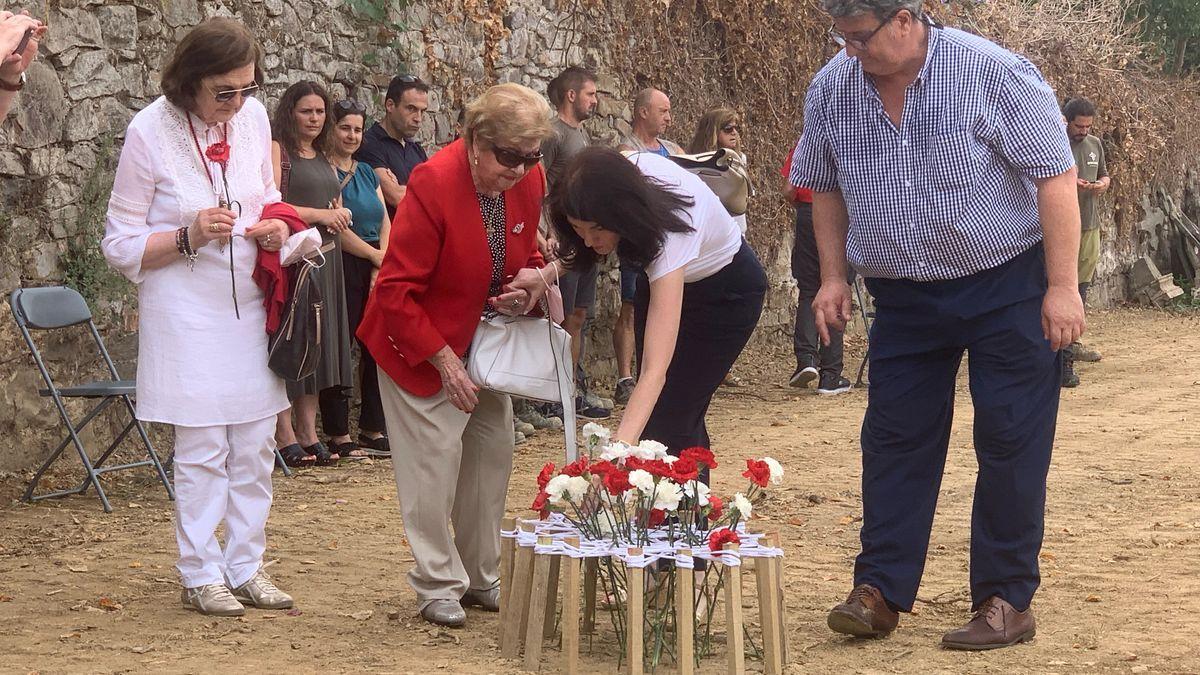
<point x="651" y="111"/>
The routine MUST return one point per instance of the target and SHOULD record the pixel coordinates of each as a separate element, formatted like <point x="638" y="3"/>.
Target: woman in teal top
<point x="363" y="246"/>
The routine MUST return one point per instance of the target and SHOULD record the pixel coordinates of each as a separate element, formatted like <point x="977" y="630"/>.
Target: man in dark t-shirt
<point x="390" y="146"/>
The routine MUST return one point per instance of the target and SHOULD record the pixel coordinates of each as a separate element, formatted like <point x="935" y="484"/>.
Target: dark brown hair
<point x="283" y="125"/>
<point x="213" y="47"/>
<point x="601" y="186"/>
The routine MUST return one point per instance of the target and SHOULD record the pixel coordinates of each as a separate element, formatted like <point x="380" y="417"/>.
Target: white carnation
<point x="577" y="487"/>
<point x="642" y="480"/>
<point x="650" y="450"/>
<point x="695" y="487"/>
<point x="668" y="495"/>
<point x="595" y="434"/>
<point x="743" y="505"/>
<point x="605" y="520"/>
<point x="558" y="487"/>
<point x="776" y="470"/>
<point x="616" y="452"/>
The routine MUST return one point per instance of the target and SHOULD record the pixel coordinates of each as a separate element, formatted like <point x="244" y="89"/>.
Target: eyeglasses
<point x="730" y="128"/>
<point x="226" y="95"/>
<point x="352" y="106"/>
<point x="409" y="79"/>
<point x="842" y="40"/>
<point x="512" y="159"/>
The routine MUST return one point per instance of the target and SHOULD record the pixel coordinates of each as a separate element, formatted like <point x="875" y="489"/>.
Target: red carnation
<point x="655" y="467"/>
<point x="657" y="516"/>
<point x="700" y="456"/>
<point x="718" y="538"/>
<point x="218" y="152"/>
<point x="617" y="482"/>
<point x="576" y="468"/>
<point x="539" y="504"/>
<point x="684" y="469"/>
<point x="758" y="472"/>
<point x="546" y="474"/>
<point x="715" y="508"/>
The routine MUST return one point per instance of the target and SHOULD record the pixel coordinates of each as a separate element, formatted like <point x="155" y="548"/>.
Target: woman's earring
<point x="475" y="159"/>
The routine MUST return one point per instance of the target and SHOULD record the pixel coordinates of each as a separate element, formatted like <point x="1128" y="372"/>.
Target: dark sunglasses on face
<point x="512" y="159"/>
<point x="226" y="95"/>
<point x="350" y="105"/>
<point x="730" y="128"/>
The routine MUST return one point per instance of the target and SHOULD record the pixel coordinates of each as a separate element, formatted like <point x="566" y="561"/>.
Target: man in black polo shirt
<point x="389" y="146"/>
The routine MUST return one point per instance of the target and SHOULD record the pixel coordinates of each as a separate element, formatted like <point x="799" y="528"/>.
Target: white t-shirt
<point x="715" y="238"/>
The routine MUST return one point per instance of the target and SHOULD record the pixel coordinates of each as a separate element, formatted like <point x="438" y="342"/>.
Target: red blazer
<point x="434" y="281"/>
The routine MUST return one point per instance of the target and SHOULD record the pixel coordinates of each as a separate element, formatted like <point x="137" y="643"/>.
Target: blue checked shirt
<point x="950" y="192"/>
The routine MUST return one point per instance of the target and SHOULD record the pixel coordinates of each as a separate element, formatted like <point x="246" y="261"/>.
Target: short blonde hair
<point x="508" y="114"/>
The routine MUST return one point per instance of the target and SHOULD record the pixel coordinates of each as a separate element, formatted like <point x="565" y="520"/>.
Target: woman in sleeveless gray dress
<point x="300" y="129"/>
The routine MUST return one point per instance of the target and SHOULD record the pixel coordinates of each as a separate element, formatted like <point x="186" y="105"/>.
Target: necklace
<point x="196" y="140"/>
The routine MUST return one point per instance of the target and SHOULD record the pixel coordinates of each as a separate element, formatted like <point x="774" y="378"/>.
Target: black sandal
<point x="324" y="456"/>
<point x="348" y="450"/>
<point x="377" y="448"/>
<point x="296" y="456"/>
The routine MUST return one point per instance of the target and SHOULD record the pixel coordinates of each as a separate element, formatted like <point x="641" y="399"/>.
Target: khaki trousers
<point x="450" y="467"/>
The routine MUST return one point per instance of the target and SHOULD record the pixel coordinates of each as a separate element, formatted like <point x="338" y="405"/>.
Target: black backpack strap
<point x="285" y="171"/>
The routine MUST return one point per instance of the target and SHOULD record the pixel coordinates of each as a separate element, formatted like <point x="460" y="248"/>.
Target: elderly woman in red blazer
<point x="466" y="226"/>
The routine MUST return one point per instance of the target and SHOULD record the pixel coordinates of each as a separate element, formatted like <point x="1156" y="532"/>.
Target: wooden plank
<point x="537" y="608"/>
<point x="768" y="615"/>
<point x="635" y="607"/>
<point x="775" y="541"/>
<point x="685" y="615"/>
<point x="518" y="610"/>
<point x="591" y="570"/>
<point x="735" y="642"/>
<point x="570" y="612"/>
<point x="551" y="597"/>
<point x="508" y="556"/>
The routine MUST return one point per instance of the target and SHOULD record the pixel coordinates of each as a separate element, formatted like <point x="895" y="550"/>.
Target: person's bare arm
<point x="662" y="332"/>
<point x="831" y="221"/>
<point x="1062" y="309"/>
<point x="392" y="190"/>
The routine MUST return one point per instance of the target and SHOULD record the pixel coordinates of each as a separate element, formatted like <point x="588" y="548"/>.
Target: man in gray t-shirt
<point x="573" y="93"/>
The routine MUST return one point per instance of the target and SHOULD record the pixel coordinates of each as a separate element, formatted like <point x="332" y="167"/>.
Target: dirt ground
<point x="81" y="591"/>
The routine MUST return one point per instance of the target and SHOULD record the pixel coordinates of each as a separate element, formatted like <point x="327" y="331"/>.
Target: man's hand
<point x="1063" y="321"/>
<point x="831" y="307"/>
<point x="12" y="31"/>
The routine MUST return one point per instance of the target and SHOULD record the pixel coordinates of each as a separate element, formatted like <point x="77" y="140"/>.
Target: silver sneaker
<point x="445" y="613"/>
<point x="489" y="600"/>
<point x="212" y="600"/>
<point x="261" y="593"/>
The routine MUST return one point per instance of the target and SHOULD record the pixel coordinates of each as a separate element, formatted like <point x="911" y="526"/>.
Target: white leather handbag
<point x="529" y="357"/>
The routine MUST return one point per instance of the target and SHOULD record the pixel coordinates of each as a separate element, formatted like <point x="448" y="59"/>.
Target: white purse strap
<point x="566" y="383"/>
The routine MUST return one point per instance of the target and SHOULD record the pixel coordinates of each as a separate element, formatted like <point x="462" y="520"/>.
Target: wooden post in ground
<point x="551" y="597"/>
<point x="685" y="614"/>
<point x="537" y="608"/>
<point x="570" y="612"/>
<point x="518" y="600"/>
<point x="775" y="541"/>
<point x="507" y="562"/>
<point x="768" y="614"/>
<point x="635" y="595"/>
<point x="735" y="642"/>
<point x="591" y="571"/>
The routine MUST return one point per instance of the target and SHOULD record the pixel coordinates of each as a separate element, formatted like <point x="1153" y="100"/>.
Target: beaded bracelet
<point x="183" y="243"/>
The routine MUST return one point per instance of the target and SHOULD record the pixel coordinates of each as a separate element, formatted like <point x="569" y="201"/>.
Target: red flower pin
<point x="218" y="152"/>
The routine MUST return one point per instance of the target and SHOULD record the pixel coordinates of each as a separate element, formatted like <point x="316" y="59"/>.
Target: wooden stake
<point x="774" y="540"/>
<point x="537" y="608"/>
<point x="551" y="597"/>
<point x="507" y="562"/>
<point x="591" y="570"/>
<point x="570" y="612"/>
<point x="636" y="602"/>
<point x="768" y="614"/>
<point x="685" y="614"/>
<point x="735" y="642"/>
<point x="518" y="610"/>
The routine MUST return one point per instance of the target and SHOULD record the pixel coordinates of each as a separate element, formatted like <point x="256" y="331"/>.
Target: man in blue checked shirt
<point x="943" y="174"/>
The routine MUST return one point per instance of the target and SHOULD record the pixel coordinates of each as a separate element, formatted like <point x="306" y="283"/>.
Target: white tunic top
<point x="715" y="238"/>
<point x="198" y="364"/>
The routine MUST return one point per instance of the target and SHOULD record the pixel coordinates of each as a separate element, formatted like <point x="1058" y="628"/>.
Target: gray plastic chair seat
<point x="98" y="389"/>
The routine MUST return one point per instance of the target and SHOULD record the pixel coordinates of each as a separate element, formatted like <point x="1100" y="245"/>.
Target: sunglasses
<point x="730" y="128"/>
<point x="226" y="95"/>
<point x="409" y="79"/>
<point x="350" y="105"/>
<point x="512" y="159"/>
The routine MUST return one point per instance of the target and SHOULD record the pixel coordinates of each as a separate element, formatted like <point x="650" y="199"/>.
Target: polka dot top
<point x="494" y="224"/>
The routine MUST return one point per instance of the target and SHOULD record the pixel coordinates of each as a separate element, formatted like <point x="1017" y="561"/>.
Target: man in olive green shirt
<point x="1092" y="181"/>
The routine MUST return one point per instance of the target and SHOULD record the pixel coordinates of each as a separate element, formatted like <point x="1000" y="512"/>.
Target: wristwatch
<point x="7" y="86"/>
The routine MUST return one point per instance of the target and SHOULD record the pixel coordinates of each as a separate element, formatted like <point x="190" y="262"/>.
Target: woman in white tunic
<point x="184" y="225"/>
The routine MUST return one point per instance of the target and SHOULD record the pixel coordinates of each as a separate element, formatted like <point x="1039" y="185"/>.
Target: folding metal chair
<point x="55" y="307"/>
<point x="867" y="317"/>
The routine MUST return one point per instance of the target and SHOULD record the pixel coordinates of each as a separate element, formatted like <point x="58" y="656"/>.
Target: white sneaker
<point x="261" y="593"/>
<point x="212" y="600"/>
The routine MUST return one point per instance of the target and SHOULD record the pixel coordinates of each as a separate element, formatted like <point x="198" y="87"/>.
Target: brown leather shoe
<point x="864" y="614"/>
<point x="995" y="624"/>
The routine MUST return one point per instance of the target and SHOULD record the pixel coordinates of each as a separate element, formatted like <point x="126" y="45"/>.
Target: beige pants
<point x="1089" y="254"/>
<point x="451" y="467"/>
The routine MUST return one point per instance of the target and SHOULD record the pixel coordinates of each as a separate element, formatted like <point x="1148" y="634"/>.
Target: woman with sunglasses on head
<point x="468" y="222"/>
<point x="363" y="246"/>
<point x="301" y="131"/>
<point x="719" y="128"/>
<point x="193" y="210"/>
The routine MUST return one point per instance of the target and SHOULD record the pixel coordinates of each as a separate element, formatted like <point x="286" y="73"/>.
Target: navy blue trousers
<point x="921" y="331"/>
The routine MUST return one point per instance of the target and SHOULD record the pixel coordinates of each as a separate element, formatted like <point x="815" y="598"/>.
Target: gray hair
<point x="839" y="9"/>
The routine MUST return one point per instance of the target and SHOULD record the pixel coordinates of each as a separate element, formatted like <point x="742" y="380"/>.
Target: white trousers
<point x="451" y="468"/>
<point x="223" y="475"/>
